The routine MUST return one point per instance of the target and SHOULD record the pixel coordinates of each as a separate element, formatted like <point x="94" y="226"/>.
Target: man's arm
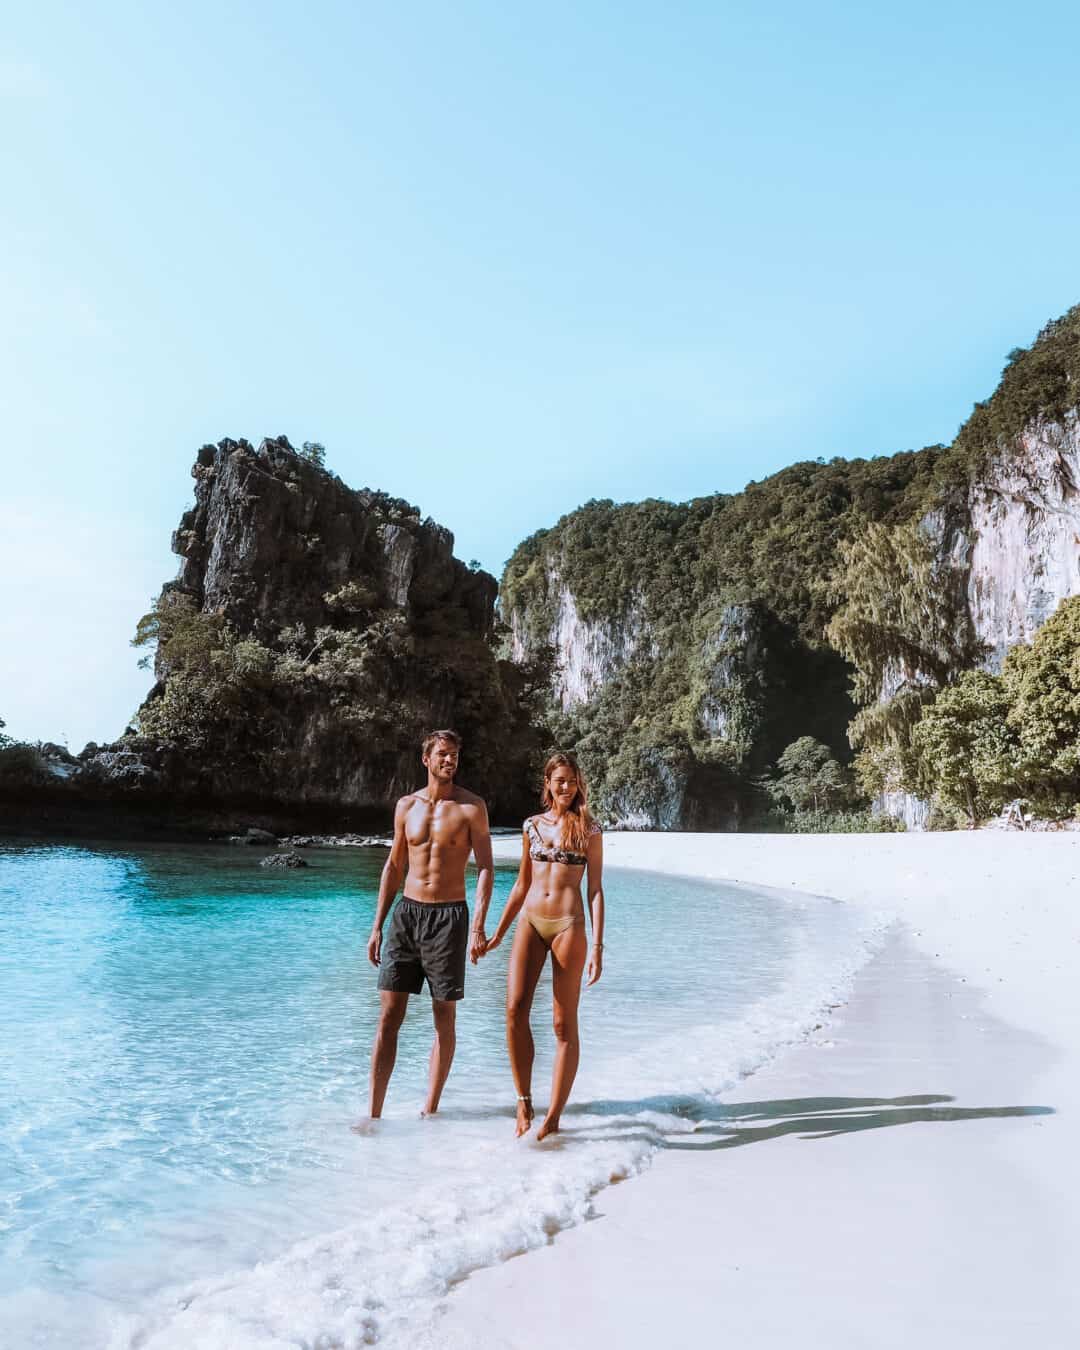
<point x="393" y="874"/>
<point x="480" y="837"/>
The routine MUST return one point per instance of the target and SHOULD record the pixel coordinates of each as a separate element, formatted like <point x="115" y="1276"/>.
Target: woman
<point x="558" y="847"/>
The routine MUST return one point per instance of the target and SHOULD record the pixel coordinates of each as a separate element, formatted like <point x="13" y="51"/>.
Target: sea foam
<point x="479" y="1197"/>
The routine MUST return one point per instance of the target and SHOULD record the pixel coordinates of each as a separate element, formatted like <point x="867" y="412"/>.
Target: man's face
<point x="441" y="761"/>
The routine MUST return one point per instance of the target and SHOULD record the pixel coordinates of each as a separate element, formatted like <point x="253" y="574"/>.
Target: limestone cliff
<point x="313" y="634"/>
<point x="1005" y="520"/>
<point x="1024" y="533"/>
<point x="588" y="653"/>
<point x="688" y="640"/>
<point x="1014" y="538"/>
<point x="272" y="537"/>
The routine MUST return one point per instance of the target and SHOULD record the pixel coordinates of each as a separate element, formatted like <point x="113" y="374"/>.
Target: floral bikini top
<point x="540" y="851"/>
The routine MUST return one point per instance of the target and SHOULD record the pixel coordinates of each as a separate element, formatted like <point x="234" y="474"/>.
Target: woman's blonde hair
<point x="577" y="821"/>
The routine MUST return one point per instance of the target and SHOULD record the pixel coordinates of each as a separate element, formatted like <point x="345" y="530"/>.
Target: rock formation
<point x="314" y="633"/>
<point x="687" y="641"/>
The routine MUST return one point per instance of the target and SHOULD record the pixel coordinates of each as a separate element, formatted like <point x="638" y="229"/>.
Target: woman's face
<point x="563" y="786"/>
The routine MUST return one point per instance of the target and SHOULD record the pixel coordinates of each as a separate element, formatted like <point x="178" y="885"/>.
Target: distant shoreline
<point x="60" y="818"/>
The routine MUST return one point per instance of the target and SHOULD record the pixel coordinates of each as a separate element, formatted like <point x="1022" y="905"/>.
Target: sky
<point x="498" y="259"/>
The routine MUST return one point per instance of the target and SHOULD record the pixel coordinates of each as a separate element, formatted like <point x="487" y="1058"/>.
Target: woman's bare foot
<point x="524" y="1116"/>
<point x="550" y="1126"/>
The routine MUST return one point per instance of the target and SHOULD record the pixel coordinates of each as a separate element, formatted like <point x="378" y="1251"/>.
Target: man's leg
<point x="444" y="1011"/>
<point x="391" y="1015"/>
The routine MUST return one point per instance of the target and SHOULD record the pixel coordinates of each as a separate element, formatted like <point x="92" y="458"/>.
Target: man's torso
<point x="439" y="836"/>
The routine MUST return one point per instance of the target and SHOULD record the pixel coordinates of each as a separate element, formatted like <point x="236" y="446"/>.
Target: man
<point x="435" y="830"/>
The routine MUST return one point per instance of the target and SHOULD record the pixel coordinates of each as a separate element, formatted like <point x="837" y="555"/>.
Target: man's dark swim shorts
<point x="426" y="940"/>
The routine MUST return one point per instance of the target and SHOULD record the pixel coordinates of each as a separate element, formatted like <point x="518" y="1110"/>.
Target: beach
<point x="890" y="1020"/>
<point x="914" y="1173"/>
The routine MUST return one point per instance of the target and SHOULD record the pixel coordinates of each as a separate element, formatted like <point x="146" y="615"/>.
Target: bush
<point x="21" y="765"/>
<point x="780" y="821"/>
<point x="1042" y="682"/>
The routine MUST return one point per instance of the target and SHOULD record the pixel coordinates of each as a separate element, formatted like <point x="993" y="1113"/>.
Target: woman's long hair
<point x="578" y="819"/>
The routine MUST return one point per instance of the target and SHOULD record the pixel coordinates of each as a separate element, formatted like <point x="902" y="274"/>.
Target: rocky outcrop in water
<point x="314" y="633"/>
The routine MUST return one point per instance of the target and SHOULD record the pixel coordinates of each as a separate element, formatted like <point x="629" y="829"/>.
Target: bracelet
<point x="598" y="944"/>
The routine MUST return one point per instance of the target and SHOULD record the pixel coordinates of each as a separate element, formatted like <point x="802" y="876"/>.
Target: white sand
<point x="936" y="1213"/>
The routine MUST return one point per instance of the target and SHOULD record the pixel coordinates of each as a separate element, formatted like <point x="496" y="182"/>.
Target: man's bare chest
<point x="444" y="825"/>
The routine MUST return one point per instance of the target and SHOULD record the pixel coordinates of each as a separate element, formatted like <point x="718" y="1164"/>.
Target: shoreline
<point x="965" y="1235"/>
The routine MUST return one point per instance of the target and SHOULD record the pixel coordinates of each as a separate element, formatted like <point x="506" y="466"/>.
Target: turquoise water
<point x="186" y="1043"/>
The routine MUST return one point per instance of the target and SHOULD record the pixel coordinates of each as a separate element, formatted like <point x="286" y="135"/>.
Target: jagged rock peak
<point x="274" y="536"/>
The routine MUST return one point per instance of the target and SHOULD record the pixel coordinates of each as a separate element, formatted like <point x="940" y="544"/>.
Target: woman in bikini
<point x="559" y="847"/>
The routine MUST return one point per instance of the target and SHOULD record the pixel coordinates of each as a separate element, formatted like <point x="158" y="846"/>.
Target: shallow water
<point x="185" y="1046"/>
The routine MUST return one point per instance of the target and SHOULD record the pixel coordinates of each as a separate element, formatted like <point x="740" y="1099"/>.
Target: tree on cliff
<point x="1043" y="686"/>
<point x="903" y="623"/>
<point x="987" y="738"/>
<point x="964" y="748"/>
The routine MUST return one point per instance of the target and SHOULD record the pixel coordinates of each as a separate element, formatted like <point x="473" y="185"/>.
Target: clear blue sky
<point x="498" y="259"/>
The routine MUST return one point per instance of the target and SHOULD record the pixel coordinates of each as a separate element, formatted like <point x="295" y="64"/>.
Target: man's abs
<point x="439" y="846"/>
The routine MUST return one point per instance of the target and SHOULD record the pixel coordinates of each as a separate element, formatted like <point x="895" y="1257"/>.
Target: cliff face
<point x="272" y="537"/>
<point x="600" y="659"/>
<point x="1024" y="532"/>
<point x="589" y="653"/>
<point x="675" y="684"/>
<point x="1012" y="541"/>
<point x="312" y="636"/>
<point x="689" y="640"/>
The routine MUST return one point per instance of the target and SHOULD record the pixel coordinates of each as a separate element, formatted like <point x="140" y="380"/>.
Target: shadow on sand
<point x="731" y="1125"/>
<point x="714" y="1125"/>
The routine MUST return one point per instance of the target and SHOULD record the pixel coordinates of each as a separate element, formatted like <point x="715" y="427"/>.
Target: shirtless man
<point x="435" y="830"/>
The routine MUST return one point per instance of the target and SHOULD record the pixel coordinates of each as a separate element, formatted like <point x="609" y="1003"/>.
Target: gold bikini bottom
<point x="547" y="929"/>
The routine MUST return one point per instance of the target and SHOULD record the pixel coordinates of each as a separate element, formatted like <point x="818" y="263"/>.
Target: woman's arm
<point x="595" y="882"/>
<point x="515" y="899"/>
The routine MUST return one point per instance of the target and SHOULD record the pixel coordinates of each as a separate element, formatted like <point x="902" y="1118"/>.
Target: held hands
<point x="374" y="946"/>
<point x="481" y="945"/>
<point x="595" y="967"/>
<point x="478" y="945"/>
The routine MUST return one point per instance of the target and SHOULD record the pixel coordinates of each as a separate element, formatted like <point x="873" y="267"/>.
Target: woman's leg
<point x="526" y="962"/>
<point x="568" y="952"/>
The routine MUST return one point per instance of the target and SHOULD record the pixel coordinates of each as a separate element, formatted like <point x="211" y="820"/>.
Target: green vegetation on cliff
<point x="313" y="635"/>
<point x="929" y="723"/>
<point x="724" y="602"/>
<point x="1040" y="381"/>
<point x="21" y="765"/>
<point x="987" y="739"/>
<point x="828" y="601"/>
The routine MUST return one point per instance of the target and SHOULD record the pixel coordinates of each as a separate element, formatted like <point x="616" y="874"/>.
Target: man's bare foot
<point x="428" y="1112"/>
<point x="524" y="1116"/>
<point x="549" y="1126"/>
<point x="366" y="1126"/>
